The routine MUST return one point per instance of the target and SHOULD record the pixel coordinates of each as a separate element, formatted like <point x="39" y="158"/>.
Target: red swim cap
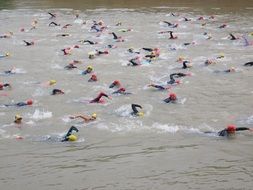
<point x="173" y="96"/>
<point x="1" y="86"/>
<point x="29" y="102"/>
<point x="231" y="128"/>
<point x="116" y="82"/>
<point x="122" y="89"/>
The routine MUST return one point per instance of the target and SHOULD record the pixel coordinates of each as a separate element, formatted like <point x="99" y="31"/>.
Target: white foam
<point x="39" y="115"/>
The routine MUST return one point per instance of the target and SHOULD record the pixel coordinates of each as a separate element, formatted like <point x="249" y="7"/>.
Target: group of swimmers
<point x="151" y="54"/>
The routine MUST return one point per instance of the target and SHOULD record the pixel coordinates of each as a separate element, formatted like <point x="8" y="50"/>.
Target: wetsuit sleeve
<point x="21" y="104"/>
<point x="134" y="106"/>
<point x="167" y="100"/>
<point x="242" y="129"/>
<point x="223" y="133"/>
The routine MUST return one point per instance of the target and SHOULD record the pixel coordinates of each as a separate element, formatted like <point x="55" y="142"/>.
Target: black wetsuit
<point x="184" y="65"/>
<point x="232" y="37"/>
<point x="115" y="37"/>
<point x="148" y="49"/>
<point x="88" y="41"/>
<point x="158" y="86"/>
<point x="28" y="43"/>
<point x="53" y="23"/>
<point x="66" y="137"/>
<point x="224" y="132"/>
<point x="249" y="64"/>
<point x="57" y="91"/>
<point x="70" y="66"/>
<point x="134" y="108"/>
<point x="133" y="61"/>
<point x="20" y="104"/>
<point x="96" y="100"/>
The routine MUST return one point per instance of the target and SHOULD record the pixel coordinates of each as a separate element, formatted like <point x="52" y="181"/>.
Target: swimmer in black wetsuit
<point x="70" y="66"/>
<point x="20" y="104"/>
<point x="171" y="99"/>
<point x="176" y="75"/>
<point x="186" y="66"/>
<point x="171" y="35"/>
<point x="135" y="61"/>
<point x="121" y="91"/>
<point x="160" y="87"/>
<point x="3" y="86"/>
<point x="88" y="41"/>
<point x="168" y="23"/>
<point x="249" y="63"/>
<point x="28" y="43"/>
<point x="53" y="24"/>
<point x="57" y="91"/>
<point x="231" y="129"/>
<point x="233" y="37"/>
<point x="115" y="83"/>
<point x="88" y="70"/>
<point x="98" y="98"/>
<point x="135" y="111"/>
<point x="52" y="15"/>
<point x="69" y="136"/>
<point x="93" y="78"/>
<point x="115" y="37"/>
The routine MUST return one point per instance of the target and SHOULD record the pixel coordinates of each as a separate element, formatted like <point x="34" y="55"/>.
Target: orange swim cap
<point x="173" y="96"/>
<point x="231" y="128"/>
<point x="29" y="102"/>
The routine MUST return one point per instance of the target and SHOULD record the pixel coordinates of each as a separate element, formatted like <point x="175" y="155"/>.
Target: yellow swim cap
<point x="140" y="114"/>
<point x="51" y="82"/>
<point x="7" y="54"/>
<point x="89" y="67"/>
<point x="251" y="34"/>
<point x="94" y="115"/>
<point x="18" y="117"/>
<point x="72" y="138"/>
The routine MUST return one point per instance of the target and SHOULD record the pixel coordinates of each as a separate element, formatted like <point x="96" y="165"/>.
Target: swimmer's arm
<point x="84" y="117"/>
<point x="243" y="129"/>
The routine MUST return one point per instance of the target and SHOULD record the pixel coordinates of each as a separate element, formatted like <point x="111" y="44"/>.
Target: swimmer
<point x="249" y="63"/>
<point x="247" y="42"/>
<point x="176" y="75"/>
<point x="57" y="91"/>
<point x="62" y="35"/>
<point x="200" y="18"/>
<point x="135" y="61"/>
<point x="121" y="91"/>
<point x="171" y="35"/>
<point x="91" y="55"/>
<point x="115" y="83"/>
<point x="28" y="43"/>
<point x="85" y="118"/>
<point x="209" y="62"/>
<point x="69" y="136"/>
<point x="231" y="129"/>
<point x="20" y="104"/>
<point x="135" y="111"/>
<point x="98" y="98"/>
<point x="111" y="46"/>
<point x="66" y="51"/>
<point x="186" y="66"/>
<point x="53" y="24"/>
<point x="125" y="30"/>
<point x="171" y="99"/>
<point x="18" y="119"/>
<point x="11" y="71"/>
<point x="5" y="55"/>
<point x="66" y="25"/>
<point x="222" y="26"/>
<point x="231" y="70"/>
<point x="34" y="24"/>
<point x="186" y="19"/>
<point x="233" y="37"/>
<point x="70" y="66"/>
<point x="93" y="78"/>
<point x="98" y="52"/>
<point x="3" y="86"/>
<point x="88" y="70"/>
<point x="160" y="87"/>
<point x="7" y="35"/>
<point x="168" y="23"/>
<point x="88" y="41"/>
<point x="117" y="38"/>
<point x="131" y="50"/>
<point x="52" y="15"/>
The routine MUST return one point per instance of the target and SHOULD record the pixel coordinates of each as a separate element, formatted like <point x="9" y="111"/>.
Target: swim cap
<point x="231" y="128"/>
<point x="173" y="96"/>
<point x="89" y="67"/>
<point x="1" y="86"/>
<point x="72" y="138"/>
<point x="29" y="102"/>
<point x="116" y="82"/>
<point x="94" y="115"/>
<point x="7" y="54"/>
<point x="51" y="82"/>
<point x="140" y="114"/>
<point x="18" y="117"/>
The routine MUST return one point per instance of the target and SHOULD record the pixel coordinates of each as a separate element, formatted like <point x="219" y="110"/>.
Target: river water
<point x="167" y="147"/>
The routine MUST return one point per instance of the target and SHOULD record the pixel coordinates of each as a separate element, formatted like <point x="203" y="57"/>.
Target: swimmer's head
<point x="91" y="55"/>
<point x="115" y="83"/>
<point x="180" y="59"/>
<point x="89" y="69"/>
<point x="232" y="69"/>
<point x="93" y="77"/>
<point x="140" y="114"/>
<point x="52" y="82"/>
<point x="7" y="54"/>
<point x="231" y="129"/>
<point x="94" y="116"/>
<point x="1" y="86"/>
<point x="18" y="118"/>
<point x="72" y="138"/>
<point x="29" y="102"/>
<point x="173" y="96"/>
